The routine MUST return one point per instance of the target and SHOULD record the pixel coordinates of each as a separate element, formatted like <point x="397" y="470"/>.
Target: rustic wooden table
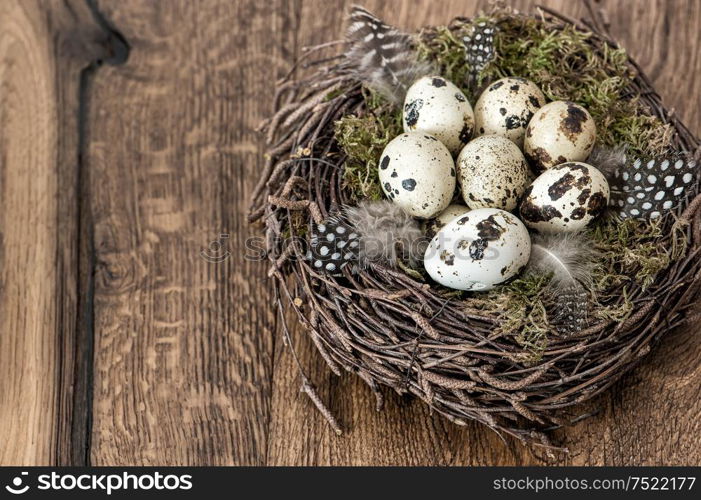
<point x="121" y="344"/>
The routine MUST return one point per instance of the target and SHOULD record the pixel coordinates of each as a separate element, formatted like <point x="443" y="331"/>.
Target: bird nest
<point x="492" y="357"/>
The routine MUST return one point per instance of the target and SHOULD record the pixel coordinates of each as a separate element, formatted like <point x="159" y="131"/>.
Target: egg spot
<point x="409" y="184"/>
<point x="597" y="204"/>
<point x="558" y="188"/>
<point x="477" y="248"/>
<point x="438" y="82"/>
<point x="411" y="112"/>
<point x="571" y="125"/>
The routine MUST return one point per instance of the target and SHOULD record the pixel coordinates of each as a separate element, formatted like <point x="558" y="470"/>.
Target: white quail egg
<point x="506" y="107"/>
<point x="417" y="173"/>
<point x="436" y="106"/>
<point x="431" y="227"/>
<point x="492" y="172"/>
<point x="565" y="198"/>
<point x="559" y="132"/>
<point x="478" y="250"/>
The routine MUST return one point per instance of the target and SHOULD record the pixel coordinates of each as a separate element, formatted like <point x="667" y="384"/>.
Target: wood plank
<point x="183" y="345"/>
<point x="44" y="49"/>
<point x="651" y="416"/>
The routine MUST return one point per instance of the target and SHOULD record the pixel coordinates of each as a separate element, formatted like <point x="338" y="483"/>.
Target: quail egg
<point x="436" y="106"/>
<point x="492" y="172"/>
<point x="559" y="132"/>
<point x="417" y="173"/>
<point x="506" y="107"/>
<point x="478" y="250"/>
<point x="565" y="198"/>
<point x="431" y="227"/>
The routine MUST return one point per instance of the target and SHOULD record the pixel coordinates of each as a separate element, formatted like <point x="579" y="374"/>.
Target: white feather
<point x="570" y="257"/>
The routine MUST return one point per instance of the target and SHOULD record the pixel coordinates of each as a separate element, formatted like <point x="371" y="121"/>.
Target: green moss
<point x="630" y="250"/>
<point x="363" y="138"/>
<point x="565" y="65"/>
<point x="443" y="47"/>
<point x="521" y="312"/>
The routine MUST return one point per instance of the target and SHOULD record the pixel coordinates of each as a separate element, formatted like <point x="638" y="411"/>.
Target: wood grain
<point x="183" y="346"/>
<point x="44" y="48"/>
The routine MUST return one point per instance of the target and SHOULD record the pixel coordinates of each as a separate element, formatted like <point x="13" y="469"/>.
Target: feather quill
<point x="570" y="258"/>
<point x="645" y="189"/>
<point x="382" y="57"/>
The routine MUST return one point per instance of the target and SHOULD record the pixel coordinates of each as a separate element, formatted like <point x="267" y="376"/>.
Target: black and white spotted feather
<point x="570" y="259"/>
<point x="333" y="246"/>
<point x="374" y="232"/>
<point x="479" y="49"/>
<point x="645" y="188"/>
<point x="382" y="57"/>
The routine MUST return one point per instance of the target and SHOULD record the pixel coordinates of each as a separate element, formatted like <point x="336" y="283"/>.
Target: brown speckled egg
<point x="506" y="107"/>
<point x="431" y="227"/>
<point x="559" y="132"/>
<point x="492" y="173"/>
<point x="436" y="106"/>
<point x="418" y="174"/>
<point x="565" y="198"/>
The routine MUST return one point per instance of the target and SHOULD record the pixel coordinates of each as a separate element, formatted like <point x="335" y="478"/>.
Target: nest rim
<point x="433" y="350"/>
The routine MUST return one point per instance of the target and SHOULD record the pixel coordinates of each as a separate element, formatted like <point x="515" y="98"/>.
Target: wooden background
<point x="120" y="344"/>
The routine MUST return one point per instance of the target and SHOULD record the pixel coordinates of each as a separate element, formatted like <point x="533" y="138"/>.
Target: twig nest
<point x="431" y="227"/>
<point x="478" y="250"/>
<point x="506" y="107"/>
<point x="492" y="173"/>
<point x="436" y="106"/>
<point x="565" y="198"/>
<point x="559" y="132"/>
<point x="417" y="173"/>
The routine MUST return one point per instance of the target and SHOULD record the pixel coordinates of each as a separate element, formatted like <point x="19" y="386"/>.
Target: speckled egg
<point x="417" y="173"/>
<point x="492" y="173"/>
<point x="565" y="198"/>
<point x="478" y="250"/>
<point x="431" y="227"/>
<point x="506" y="107"/>
<point x="436" y="106"/>
<point x="559" y="132"/>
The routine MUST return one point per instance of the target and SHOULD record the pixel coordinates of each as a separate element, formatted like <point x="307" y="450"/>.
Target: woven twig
<point x="393" y="330"/>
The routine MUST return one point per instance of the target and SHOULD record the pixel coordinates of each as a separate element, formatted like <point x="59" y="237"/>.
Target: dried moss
<point x="363" y="138"/>
<point x="631" y="250"/>
<point x="565" y="65"/>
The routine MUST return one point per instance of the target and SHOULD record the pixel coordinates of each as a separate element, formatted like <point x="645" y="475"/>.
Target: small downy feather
<point x="382" y="57"/>
<point x="387" y="233"/>
<point x="479" y="49"/>
<point x="570" y="258"/>
<point x="645" y="189"/>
